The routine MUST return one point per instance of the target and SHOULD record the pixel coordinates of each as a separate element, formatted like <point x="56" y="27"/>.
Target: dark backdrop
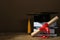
<point x="13" y="16"/>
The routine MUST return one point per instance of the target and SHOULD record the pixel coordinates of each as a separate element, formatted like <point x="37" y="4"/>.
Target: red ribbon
<point x="45" y="28"/>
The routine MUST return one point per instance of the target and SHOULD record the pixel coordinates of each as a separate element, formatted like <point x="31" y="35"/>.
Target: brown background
<point x="13" y="16"/>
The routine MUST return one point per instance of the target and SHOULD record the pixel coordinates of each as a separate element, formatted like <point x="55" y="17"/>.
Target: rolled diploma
<point x="49" y="23"/>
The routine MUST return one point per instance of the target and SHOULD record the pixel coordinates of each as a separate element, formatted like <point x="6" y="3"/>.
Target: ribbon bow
<point x="45" y="28"/>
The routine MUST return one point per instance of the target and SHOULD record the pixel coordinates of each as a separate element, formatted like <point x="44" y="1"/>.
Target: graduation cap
<point x="39" y="17"/>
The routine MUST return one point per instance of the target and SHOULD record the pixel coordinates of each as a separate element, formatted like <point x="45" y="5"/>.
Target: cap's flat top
<point x="42" y="13"/>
